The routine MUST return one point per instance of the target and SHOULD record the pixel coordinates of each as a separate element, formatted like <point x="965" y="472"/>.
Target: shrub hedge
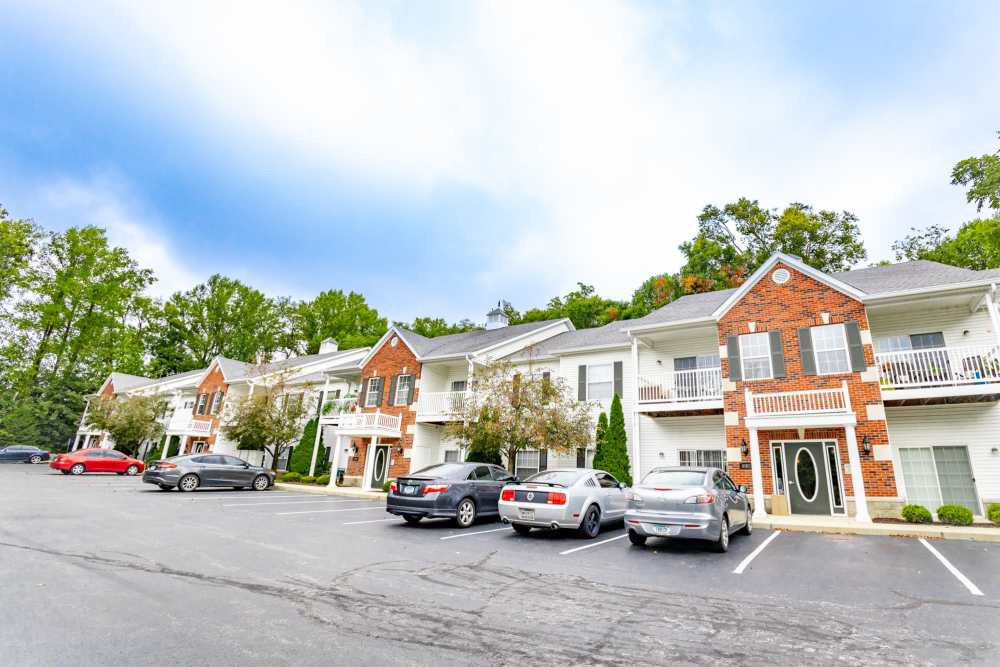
<point x="993" y="512"/>
<point x="956" y="515"/>
<point x="323" y="480"/>
<point x="290" y="477"/>
<point x="308" y="479"/>
<point x="917" y="514"/>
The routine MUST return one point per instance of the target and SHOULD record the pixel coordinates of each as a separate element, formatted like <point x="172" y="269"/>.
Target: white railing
<point x="939" y="366"/>
<point x="700" y="384"/>
<point x="338" y="406"/>
<point x="370" y="420"/>
<point x="812" y="401"/>
<point x="440" y="402"/>
<point x="199" y="426"/>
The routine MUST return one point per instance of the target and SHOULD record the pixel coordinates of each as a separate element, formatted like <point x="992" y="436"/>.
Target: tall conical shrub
<point x="612" y="449"/>
<point x="301" y="455"/>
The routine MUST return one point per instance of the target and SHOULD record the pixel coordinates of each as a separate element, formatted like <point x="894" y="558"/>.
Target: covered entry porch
<point x="381" y="436"/>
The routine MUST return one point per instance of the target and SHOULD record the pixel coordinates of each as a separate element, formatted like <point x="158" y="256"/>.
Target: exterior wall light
<point x="867" y="445"/>
<point x="744" y="449"/>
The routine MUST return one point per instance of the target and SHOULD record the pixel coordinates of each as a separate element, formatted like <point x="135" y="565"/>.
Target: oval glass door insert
<point x="805" y="474"/>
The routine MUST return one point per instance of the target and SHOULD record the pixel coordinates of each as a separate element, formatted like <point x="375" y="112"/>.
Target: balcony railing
<point x="338" y="406"/>
<point x="441" y="402"/>
<point x="939" y="366"/>
<point x="370" y="421"/>
<point x="813" y="401"/>
<point x="199" y="426"/>
<point x="702" y="384"/>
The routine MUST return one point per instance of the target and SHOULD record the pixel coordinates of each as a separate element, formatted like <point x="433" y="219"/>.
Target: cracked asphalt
<point x="103" y="570"/>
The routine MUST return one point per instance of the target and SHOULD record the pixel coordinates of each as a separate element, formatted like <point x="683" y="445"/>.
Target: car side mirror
<point x="743" y="488"/>
<point x="622" y="485"/>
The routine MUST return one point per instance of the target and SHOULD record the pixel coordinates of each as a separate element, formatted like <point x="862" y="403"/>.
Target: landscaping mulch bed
<point x="907" y="523"/>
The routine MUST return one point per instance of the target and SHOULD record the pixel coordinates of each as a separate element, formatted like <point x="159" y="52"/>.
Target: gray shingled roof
<point x="687" y="307"/>
<point x="469" y="342"/>
<point x="123" y="381"/>
<point x="609" y="334"/>
<point x="239" y="370"/>
<point x="178" y="376"/>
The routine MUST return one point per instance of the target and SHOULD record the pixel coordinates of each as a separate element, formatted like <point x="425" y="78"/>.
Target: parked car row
<point x="23" y="454"/>
<point x="96" y="459"/>
<point x="669" y="502"/>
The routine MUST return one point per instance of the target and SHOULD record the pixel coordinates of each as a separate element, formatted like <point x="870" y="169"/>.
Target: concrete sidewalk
<point x="848" y="526"/>
<point x="343" y="491"/>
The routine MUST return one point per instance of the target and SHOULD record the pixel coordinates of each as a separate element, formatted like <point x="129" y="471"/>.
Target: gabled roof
<point x="238" y="371"/>
<point x="123" y="382"/>
<point x="191" y="376"/>
<point x="608" y="336"/>
<point x="918" y="274"/>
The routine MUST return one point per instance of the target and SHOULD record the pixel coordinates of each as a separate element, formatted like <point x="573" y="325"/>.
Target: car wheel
<point x="520" y="528"/>
<point x="78" y="469"/>
<point x="465" y="513"/>
<point x="591" y="524"/>
<point x="748" y="528"/>
<point x="132" y="470"/>
<point x="164" y="487"/>
<point x="636" y="539"/>
<point x="189" y="482"/>
<point x="412" y="519"/>
<point x="722" y="544"/>
<point x="261" y="482"/>
<point x="35" y="458"/>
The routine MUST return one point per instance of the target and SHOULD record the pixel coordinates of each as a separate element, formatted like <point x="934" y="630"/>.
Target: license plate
<point x="661" y="529"/>
<point x="409" y="490"/>
<point x="527" y="515"/>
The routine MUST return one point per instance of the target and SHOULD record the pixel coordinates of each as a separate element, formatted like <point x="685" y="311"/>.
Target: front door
<point x="808" y="478"/>
<point x="380" y="466"/>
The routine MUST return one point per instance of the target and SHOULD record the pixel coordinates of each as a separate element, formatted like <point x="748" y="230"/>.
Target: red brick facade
<point x="212" y="383"/>
<point x="788" y="307"/>
<point x="388" y="362"/>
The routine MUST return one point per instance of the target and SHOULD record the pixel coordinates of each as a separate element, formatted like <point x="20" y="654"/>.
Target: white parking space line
<point x="589" y="546"/>
<point x="217" y="496"/>
<point x="291" y="502"/>
<point x="951" y="568"/>
<point x="756" y="552"/>
<point x="358" y="523"/>
<point x="345" y="509"/>
<point x="478" y="532"/>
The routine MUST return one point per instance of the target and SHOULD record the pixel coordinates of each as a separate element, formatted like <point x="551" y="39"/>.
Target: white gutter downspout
<point x="636" y="442"/>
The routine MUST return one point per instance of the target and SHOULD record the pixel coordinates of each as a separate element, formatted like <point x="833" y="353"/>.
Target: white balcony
<point x="334" y="408"/>
<point x="940" y="371"/>
<point x="681" y="390"/>
<point x="440" y="405"/>
<point x="817" y="407"/>
<point x="370" y="423"/>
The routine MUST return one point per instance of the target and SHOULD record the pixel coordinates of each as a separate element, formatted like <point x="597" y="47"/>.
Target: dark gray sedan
<point x="459" y="491"/>
<point x="23" y="454"/>
<point x="688" y="503"/>
<point x="191" y="471"/>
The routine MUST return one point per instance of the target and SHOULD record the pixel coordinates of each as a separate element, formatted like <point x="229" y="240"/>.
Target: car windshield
<point x="442" y="470"/>
<point x="554" y="477"/>
<point x="674" y="478"/>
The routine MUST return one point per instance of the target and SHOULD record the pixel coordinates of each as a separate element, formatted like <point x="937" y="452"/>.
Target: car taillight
<point x="166" y="465"/>
<point x="507" y="494"/>
<point x="556" y="498"/>
<point x="703" y="499"/>
<point x="435" y="488"/>
<point x="392" y="487"/>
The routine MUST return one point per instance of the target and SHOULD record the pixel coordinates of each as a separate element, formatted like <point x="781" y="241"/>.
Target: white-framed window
<point x="458" y="385"/>
<point x="374" y="394"/>
<point x="922" y="341"/>
<point x="217" y="402"/>
<point x="202" y="404"/>
<point x="830" y="349"/>
<point x="403" y="385"/>
<point x="755" y="355"/>
<point x="526" y="463"/>
<point x="600" y="382"/>
<point x="703" y="458"/>
<point x="188" y="405"/>
<point x="451" y="456"/>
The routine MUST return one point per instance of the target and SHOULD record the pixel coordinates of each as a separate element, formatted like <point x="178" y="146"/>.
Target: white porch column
<point x="319" y="427"/>
<point x="369" y="463"/>
<point x="857" y="480"/>
<point x="335" y="463"/>
<point x="636" y="440"/>
<point x="759" y="512"/>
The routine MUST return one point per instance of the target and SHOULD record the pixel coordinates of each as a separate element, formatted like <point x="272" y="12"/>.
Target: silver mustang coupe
<point x="691" y="503"/>
<point x="579" y="498"/>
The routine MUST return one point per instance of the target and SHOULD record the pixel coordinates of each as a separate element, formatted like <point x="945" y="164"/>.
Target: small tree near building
<point x="510" y="411"/>
<point x="602" y="429"/>
<point x="268" y="421"/>
<point x="128" y="420"/>
<point x="612" y="449"/>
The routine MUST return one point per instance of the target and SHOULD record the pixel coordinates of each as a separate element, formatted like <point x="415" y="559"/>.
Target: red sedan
<point x="97" y="460"/>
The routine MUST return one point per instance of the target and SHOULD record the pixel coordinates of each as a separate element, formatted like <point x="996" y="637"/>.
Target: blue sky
<point x="440" y="156"/>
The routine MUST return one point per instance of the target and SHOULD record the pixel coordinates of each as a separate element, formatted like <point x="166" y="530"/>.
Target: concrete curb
<point x="343" y="492"/>
<point x="891" y="530"/>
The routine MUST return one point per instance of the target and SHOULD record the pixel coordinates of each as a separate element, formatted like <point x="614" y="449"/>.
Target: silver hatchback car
<point x="580" y="498"/>
<point x="688" y="503"/>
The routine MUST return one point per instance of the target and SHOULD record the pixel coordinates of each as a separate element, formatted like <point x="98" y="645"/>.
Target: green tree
<point x="266" y="421"/>
<point x="612" y="450"/>
<point x="18" y="242"/>
<point x="583" y="306"/>
<point x="656" y="292"/>
<point x="431" y="327"/>
<point x="301" y="457"/>
<point x="346" y="318"/>
<point x="601" y="431"/>
<point x="128" y="420"/>
<point x="981" y="176"/>
<point x="976" y="245"/>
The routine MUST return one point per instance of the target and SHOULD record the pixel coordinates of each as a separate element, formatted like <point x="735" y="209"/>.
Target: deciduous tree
<point x="129" y="420"/>
<point x="265" y="420"/>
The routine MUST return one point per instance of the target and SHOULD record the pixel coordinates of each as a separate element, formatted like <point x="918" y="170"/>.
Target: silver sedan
<point x="580" y="498"/>
<point x="688" y="503"/>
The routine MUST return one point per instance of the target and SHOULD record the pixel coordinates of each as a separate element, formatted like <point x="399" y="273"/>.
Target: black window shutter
<point x="733" y="354"/>
<point x="391" y="399"/>
<point x="777" y="355"/>
<point x="543" y="459"/>
<point x="618" y="378"/>
<point x="546" y="376"/>
<point x="855" y="347"/>
<point x="409" y="392"/>
<point x="364" y="393"/>
<point x="806" y="350"/>
<point x="581" y="385"/>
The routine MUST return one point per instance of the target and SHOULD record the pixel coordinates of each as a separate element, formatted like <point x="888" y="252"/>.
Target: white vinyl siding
<point x="830" y="349"/>
<point x="663" y="438"/>
<point x="659" y="356"/>
<point x="952" y="322"/>
<point x="755" y="353"/>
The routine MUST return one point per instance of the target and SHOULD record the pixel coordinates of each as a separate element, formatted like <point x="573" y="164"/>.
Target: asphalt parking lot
<point x="105" y="570"/>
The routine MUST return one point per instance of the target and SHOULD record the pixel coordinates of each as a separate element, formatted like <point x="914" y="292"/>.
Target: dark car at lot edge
<point x="23" y="454"/>
<point x="192" y="471"/>
<point x="97" y="459"/>
<point x="458" y="491"/>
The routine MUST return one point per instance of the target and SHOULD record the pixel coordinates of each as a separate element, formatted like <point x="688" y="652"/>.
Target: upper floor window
<point x="217" y="402"/>
<point x="830" y="348"/>
<point x="458" y="385"/>
<point x="755" y="353"/>
<point x="404" y="385"/>
<point x="202" y="404"/>
<point x="923" y="341"/>
<point x="694" y="363"/>
<point x="600" y="382"/>
<point x="373" y="395"/>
